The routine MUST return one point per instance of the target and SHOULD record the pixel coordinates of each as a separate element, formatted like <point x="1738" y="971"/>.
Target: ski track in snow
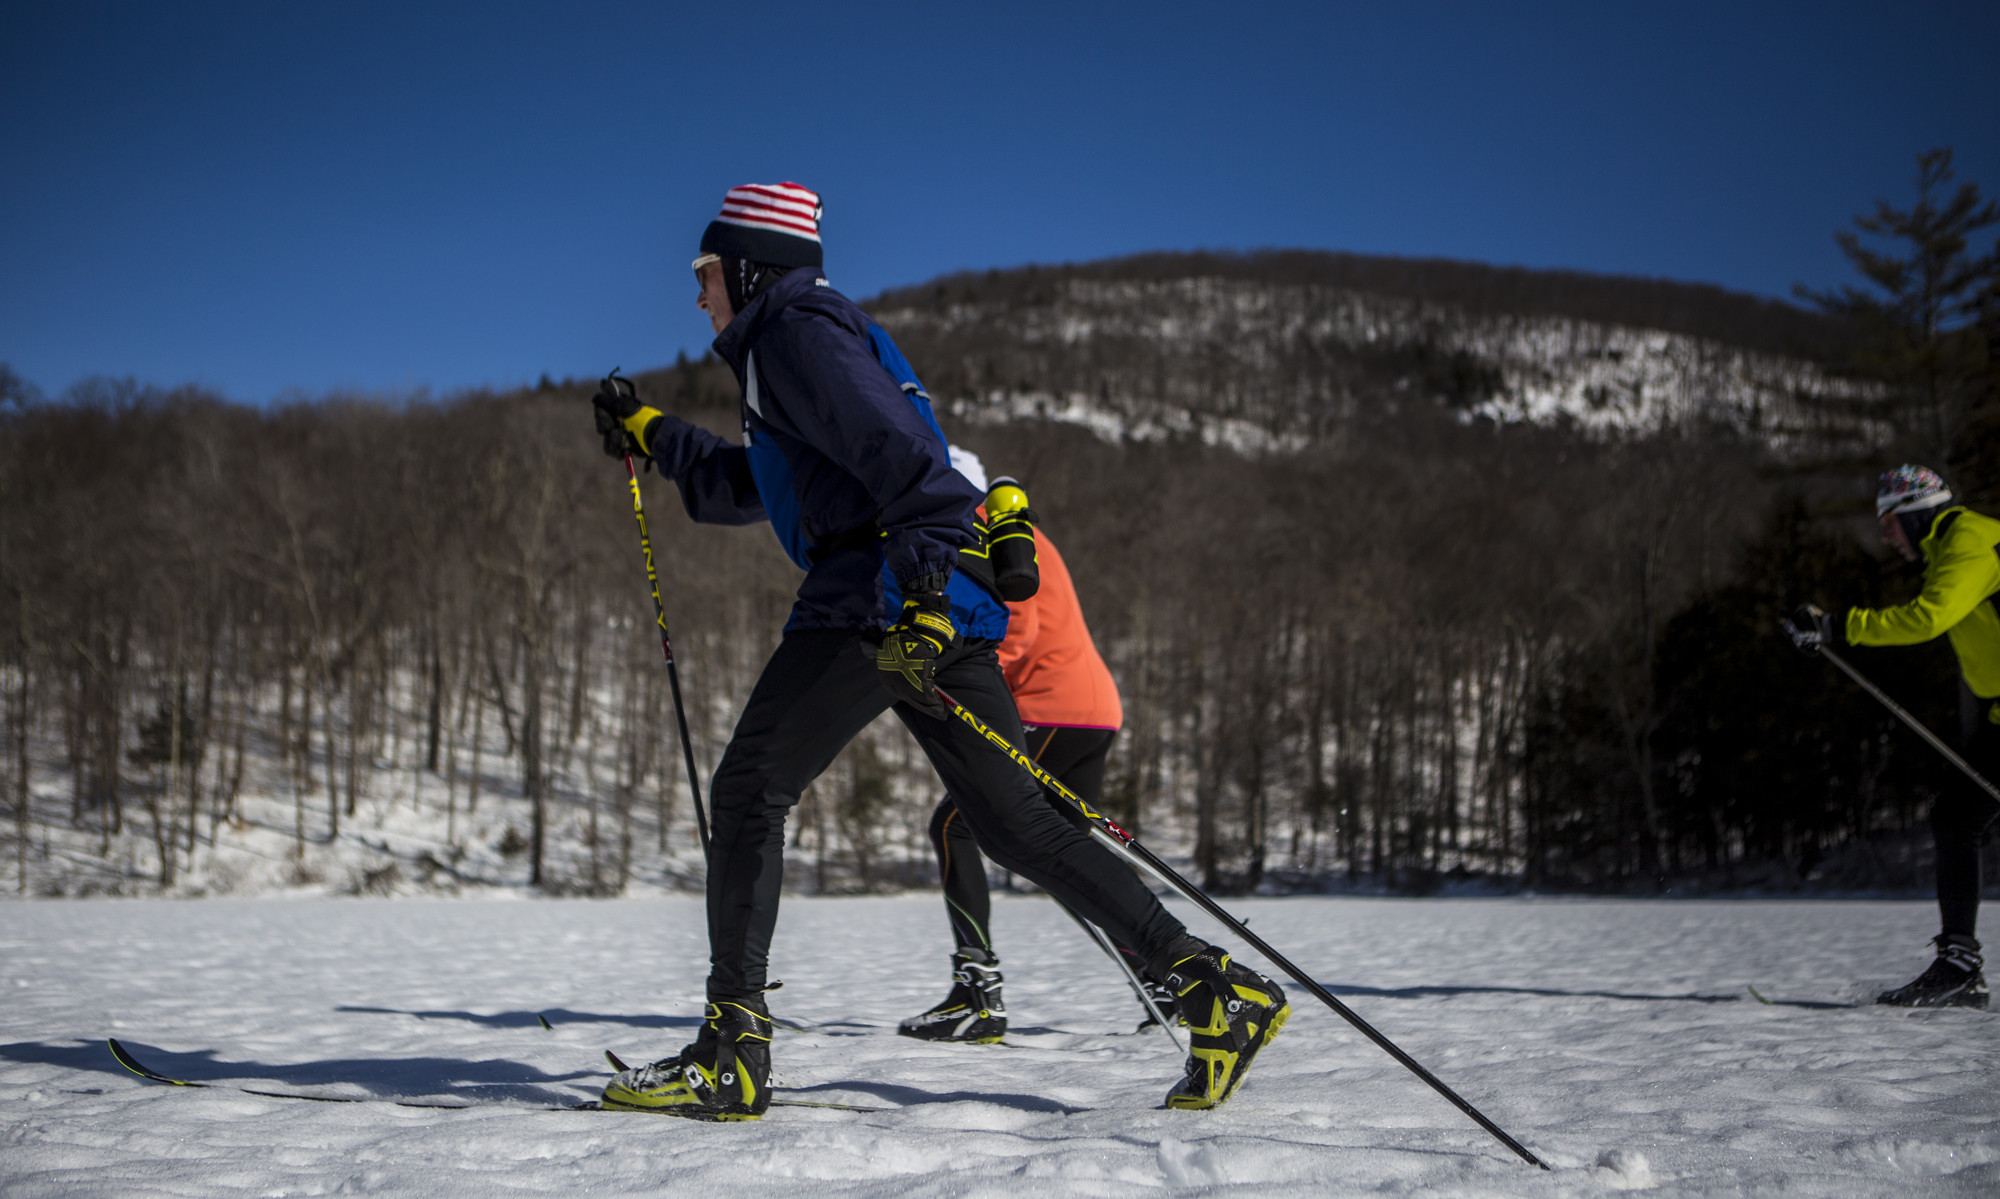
<point x="1617" y="1039"/>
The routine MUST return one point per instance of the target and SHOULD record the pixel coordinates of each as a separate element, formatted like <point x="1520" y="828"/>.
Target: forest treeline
<point x="1417" y="647"/>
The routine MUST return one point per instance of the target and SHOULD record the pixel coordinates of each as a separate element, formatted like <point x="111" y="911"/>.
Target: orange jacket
<point x="1051" y="665"/>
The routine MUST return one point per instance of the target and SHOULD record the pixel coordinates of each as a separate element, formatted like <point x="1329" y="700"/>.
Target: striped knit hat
<point x="775" y="223"/>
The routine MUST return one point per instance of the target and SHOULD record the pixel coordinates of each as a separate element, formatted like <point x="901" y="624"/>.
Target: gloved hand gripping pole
<point x="667" y="650"/>
<point x="1128" y="847"/>
<point x="1808" y="641"/>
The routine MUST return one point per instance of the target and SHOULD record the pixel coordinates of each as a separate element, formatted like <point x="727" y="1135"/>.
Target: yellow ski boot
<point x="724" y="1075"/>
<point x="1230" y="1012"/>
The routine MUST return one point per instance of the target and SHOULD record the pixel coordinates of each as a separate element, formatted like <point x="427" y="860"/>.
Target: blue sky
<point x="273" y="199"/>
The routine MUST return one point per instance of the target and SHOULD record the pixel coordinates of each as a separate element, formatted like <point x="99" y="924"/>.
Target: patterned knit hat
<point x="1910" y="489"/>
<point x="775" y="223"/>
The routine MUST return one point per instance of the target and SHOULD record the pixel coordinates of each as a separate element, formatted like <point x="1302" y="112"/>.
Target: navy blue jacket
<point x="851" y="450"/>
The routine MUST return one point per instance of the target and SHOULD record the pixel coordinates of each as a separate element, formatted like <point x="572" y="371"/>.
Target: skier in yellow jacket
<point x="1961" y="574"/>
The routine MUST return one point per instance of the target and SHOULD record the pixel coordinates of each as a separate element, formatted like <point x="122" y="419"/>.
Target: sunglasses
<point x="705" y="260"/>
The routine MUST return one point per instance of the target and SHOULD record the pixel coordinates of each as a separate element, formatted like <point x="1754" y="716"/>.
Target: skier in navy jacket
<point x="852" y="473"/>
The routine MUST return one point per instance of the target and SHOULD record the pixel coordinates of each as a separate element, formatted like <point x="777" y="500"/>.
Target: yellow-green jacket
<point x="1960" y="571"/>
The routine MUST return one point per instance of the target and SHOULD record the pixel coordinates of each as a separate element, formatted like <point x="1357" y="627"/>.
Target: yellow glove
<point x="911" y="648"/>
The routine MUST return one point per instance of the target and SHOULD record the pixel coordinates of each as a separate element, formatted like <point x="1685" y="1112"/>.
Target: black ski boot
<point x="973" y="1011"/>
<point x="1230" y="1012"/>
<point x="1953" y="979"/>
<point x="724" y="1075"/>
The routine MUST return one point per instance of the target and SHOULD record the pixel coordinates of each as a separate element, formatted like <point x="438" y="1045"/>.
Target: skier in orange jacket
<point x="1070" y="714"/>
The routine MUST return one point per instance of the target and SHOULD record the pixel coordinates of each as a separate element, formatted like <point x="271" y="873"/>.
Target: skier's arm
<point x="1964" y="573"/>
<point x="713" y="476"/>
<point x="839" y="400"/>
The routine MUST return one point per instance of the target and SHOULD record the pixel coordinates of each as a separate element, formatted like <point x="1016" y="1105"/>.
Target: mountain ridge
<point x="1705" y="310"/>
<point x="1286" y="350"/>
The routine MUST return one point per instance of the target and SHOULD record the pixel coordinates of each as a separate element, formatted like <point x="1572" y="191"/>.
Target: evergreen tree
<point x="1978" y="467"/>
<point x="1918" y="334"/>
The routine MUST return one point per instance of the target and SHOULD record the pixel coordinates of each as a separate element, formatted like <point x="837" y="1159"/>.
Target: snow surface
<point x="1616" y="1038"/>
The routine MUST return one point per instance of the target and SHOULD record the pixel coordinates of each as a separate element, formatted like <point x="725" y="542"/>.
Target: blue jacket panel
<point x="832" y="444"/>
<point x="976" y="611"/>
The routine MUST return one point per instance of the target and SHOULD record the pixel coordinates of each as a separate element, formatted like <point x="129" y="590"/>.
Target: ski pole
<point x="1127" y="846"/>
<point x="1163" y="1018"/>
<point x="667" y="649"/>
<point x="1801" y="639"/>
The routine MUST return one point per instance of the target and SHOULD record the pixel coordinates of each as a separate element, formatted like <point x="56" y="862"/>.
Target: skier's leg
<point x="968" y="903"/>
<point x="1231" y="1012"/>
<point x="1014" y="824"/>
<point x="1077" y="756"/>
<point x="1956" y="978"/>
<point x="1959" y="818"/>
<point x="973" y="1010"/>
<point x="1074" y="756"/>
<point x="818" y="690"/>
<point x="1961" y="815"/>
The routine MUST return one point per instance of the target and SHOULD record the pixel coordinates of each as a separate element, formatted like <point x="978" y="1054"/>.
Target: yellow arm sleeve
<point x="1962" y="574"/>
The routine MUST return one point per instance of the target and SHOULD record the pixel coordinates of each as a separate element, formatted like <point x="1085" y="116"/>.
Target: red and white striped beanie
<point x="776" y="223"/>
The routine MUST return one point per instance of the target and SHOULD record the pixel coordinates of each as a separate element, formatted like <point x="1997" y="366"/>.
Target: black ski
<point x="619" y="1065"/>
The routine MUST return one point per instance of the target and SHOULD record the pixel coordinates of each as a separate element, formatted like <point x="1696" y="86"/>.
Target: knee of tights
<point x="1009" y="846"/>
<point x="749" y="787"/>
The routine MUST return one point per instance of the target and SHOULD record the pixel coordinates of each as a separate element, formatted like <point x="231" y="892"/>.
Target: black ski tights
<point x="1076" y="757"/>
<point x="820" y="689"/>
<point x="1961" y="816"/>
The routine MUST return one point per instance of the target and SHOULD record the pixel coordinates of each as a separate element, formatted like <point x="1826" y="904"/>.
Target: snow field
<point x="1617" y="1039"/>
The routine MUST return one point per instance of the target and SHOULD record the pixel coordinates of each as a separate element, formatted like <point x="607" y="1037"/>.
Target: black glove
<point x="1811" y="628"/>
<point x="623" y="422"/>
<point x="910" y="649"/>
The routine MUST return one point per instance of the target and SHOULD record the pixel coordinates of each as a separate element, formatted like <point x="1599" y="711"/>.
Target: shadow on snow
<point x="554" y="1015"/>
<point x="1432" y="992"/>
<point x="389" y="1078"/>
<point x="434" y="1077"/>
<point x="907" y="1096"/>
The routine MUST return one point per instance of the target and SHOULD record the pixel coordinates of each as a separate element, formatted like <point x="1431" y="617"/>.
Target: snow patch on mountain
<point x="1259" y="367"/>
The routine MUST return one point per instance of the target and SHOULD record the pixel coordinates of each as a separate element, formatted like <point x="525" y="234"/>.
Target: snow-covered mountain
<point x="1253" y="363"/>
